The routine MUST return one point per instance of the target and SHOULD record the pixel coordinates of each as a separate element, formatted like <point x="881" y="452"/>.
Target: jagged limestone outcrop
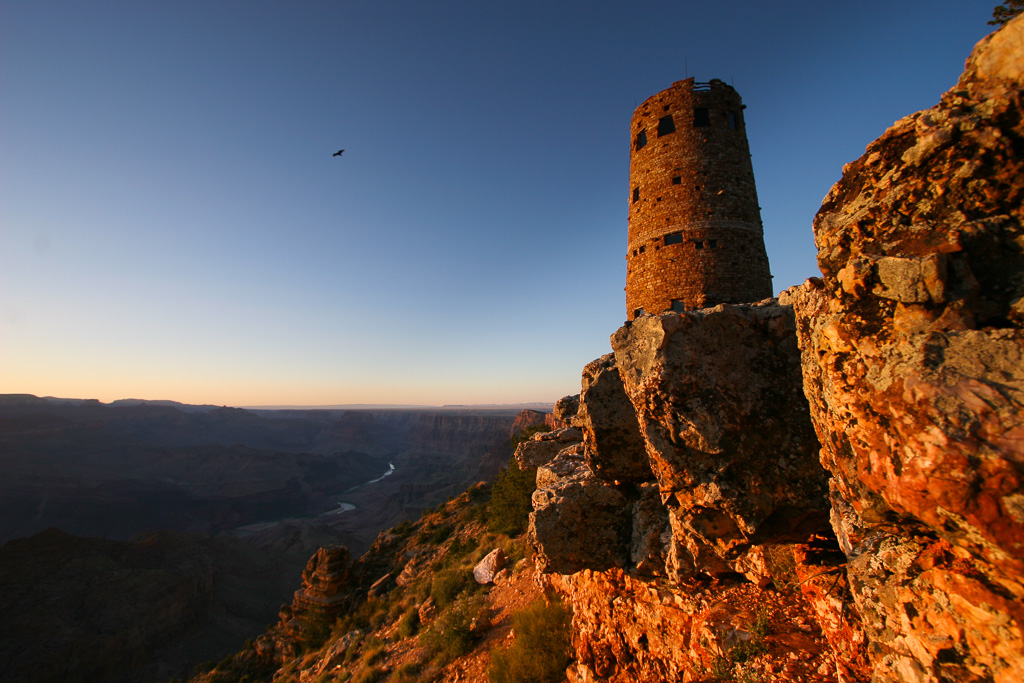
<point x="913" y="358"/>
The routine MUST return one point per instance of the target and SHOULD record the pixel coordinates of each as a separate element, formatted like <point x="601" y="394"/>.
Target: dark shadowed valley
<point x="180" y="530"/>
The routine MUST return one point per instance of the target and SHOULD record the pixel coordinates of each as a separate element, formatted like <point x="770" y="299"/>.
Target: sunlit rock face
<point x="542" y="447"/>
<point x="696" y="488"/>
<point x="579" y="521"/>
<point x="718" y="398"/>
<point x="913" y="361"/>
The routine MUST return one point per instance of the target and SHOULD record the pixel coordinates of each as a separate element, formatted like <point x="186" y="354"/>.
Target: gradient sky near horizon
<point x="173" y="225"/>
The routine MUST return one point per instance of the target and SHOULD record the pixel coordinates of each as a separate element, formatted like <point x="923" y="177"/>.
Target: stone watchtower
<point x="695" y="232"/>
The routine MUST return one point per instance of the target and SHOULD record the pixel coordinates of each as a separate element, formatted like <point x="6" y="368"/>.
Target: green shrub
<point x="409" y="622"/>
<point x="373" y="652"/>
<point x="440" y="534"/>
<point x="721" y="668"/>
<point x="450" y="636"/>
<point x="368" y="617"/>
<point x="448" y="584"/>
<point x="368" y="675"/>
<point x="406" y="673"/>
<point x="762" y="625"/>
<point x="747" y="649"/>
<point x="316" y="629"/>
<point x="759" y="630"/>
<point x="509" y="509"/>
<point x="463" y="546"/>
<point x="542" y="648"/>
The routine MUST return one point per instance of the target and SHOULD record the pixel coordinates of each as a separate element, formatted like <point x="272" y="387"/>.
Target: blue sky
<point x="173" y="225"/>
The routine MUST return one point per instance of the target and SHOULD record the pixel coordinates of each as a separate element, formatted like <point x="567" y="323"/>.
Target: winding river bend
<point x="345" y="507"/>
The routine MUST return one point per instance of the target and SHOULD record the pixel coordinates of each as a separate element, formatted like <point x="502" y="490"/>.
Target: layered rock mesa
<point x="871" y="478"/>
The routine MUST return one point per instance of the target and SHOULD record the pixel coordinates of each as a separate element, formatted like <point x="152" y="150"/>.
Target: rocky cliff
<point x="913" y="361"/>
<point x="153" y="606"/>
<point x="827" y="486"/>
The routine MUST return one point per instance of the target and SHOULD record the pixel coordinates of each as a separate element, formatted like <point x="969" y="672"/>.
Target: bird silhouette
<point x="338" y="153"/>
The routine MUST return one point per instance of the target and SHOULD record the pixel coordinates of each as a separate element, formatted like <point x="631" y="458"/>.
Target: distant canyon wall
<point x="114" y="471"/>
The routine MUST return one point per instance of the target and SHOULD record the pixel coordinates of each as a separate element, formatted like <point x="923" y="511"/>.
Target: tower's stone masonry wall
<point x="695" y="235"/>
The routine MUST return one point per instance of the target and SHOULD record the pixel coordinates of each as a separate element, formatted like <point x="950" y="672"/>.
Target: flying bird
<point x="338" y="153"/>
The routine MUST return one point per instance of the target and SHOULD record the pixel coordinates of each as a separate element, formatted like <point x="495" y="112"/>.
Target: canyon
<point x="143" y="538"/>
<point x="822" y="486"/>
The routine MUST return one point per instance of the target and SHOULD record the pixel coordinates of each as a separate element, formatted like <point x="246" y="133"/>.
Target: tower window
<point x="666" y="125"/>
<point x="643" y="249"/>
<point x="678" y="305"/>
<point x="677" y="180"/>
<point x="698" y="244"/>
<point x="712" y="244"/>
<point x="641" y="140"/>
<point x="636" y="194"/>
<point x="638" y="312"/>
<point x="701" y="117"/>
<point x="674" y="238"/>
<point x="733" y="120"/>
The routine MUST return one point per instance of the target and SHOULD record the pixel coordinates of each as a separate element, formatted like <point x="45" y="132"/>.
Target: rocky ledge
<point x="853" y="451"/>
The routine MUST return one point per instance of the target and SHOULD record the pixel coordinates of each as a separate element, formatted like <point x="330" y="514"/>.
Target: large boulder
<point x="718" y="396"/>
<point x="913" y="361"/>
<point x="486" y="568"/>
<point x="580" y="522"/>
<point x="542" y="447"/>
<point x="613" y="443"/>
<point x="566" y="408"/>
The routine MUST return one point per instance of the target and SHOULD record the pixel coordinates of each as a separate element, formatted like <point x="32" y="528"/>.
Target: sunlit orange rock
<point x="913" y="361"/>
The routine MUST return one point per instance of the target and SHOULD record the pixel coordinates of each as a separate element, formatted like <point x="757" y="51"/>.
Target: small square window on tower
<point x="698" y="244"/>
<point x="712" y="244"/>
<point x="673" y="238"/>
<point x="636" y="194"/>
<point x="666" y="125"/>
<point x="677" y="180"/>
<point x="701" y="117"/>
<point x="641" y="140"/>
<point x="678" y="305"/>
<point x="638" y="312"/>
